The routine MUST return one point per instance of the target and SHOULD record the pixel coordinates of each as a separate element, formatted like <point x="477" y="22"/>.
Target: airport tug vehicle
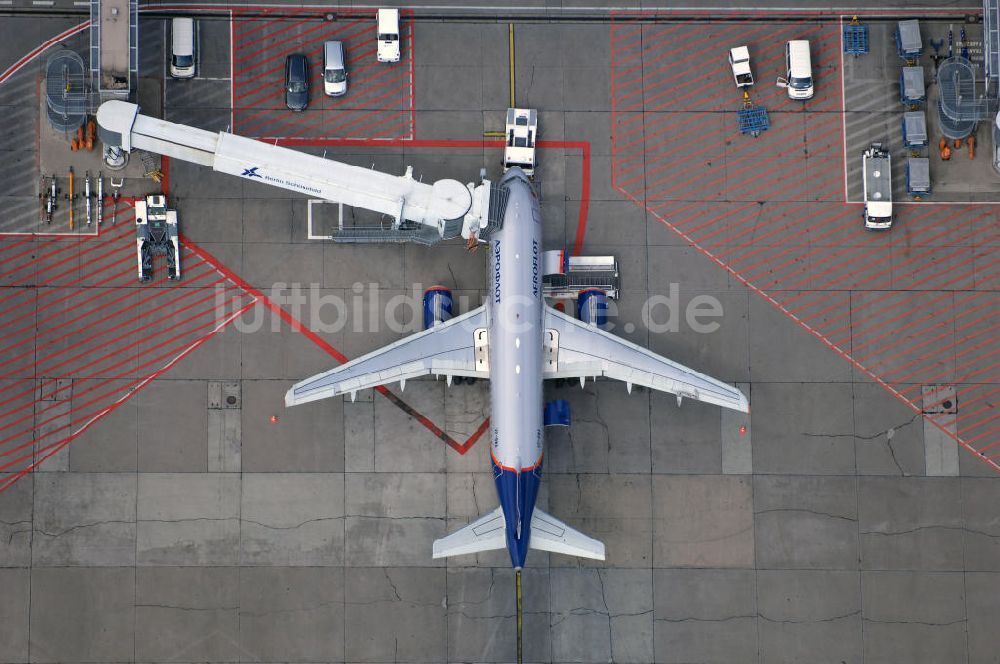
<point x="156" y="234"/>
<point x="739" y="61"/>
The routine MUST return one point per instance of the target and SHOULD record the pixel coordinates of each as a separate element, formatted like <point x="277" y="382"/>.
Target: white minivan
<point x="334" y="69"/>
<point x="388" y="35"/>
<point x="183" y="47"/>
<point x="798" y="78"/>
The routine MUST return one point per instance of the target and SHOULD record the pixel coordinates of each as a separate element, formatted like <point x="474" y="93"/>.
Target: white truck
<point x="387" y="33"/>
<point x="877" y="168"/>
<point x="739" y="60"/>
<point x="521" y="133"/>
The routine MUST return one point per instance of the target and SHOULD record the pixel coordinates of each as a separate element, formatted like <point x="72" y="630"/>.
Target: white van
<point x="798" y="79"/>
<point x="388" y="35"/>
<point x="334" y="69"/>
<point x="183" y="47"/>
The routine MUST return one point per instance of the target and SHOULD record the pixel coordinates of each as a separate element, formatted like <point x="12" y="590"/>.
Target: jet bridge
<point x="407" y="201"/>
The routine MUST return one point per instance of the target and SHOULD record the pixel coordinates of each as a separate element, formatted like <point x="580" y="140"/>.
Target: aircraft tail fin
<point x="487" y="533"/>
<point x="550" y="534"/>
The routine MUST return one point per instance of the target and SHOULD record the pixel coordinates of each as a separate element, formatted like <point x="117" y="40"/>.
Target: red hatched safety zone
<point x="379" y="103"/>
<point x="80" y="335"/>
<point x="912" y="308"/>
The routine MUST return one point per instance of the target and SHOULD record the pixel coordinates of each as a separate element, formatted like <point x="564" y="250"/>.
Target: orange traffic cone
<point x="942" y="144"/>
<point x="946" y="153"/>
<point x="971" y="142"/>
<point x="958" y="143"/>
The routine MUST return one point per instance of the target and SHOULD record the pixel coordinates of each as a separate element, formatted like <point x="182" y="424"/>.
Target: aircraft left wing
<point x="448" y="349"/>
<point x="579" y="350"/>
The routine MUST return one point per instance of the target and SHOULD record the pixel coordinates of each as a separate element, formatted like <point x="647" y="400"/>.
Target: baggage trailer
<point x="915" y="130"/>
<point x="918" y="177"/>
<point x="912" y="91"/>
<point x="909" y="45"/>
<point x="877" y="168"/>
<point x="855" y="38"/>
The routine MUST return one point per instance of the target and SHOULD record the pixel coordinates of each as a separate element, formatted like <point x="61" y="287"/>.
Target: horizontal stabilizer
<point x="550" y="534"/>
<point x="484" y="534"/>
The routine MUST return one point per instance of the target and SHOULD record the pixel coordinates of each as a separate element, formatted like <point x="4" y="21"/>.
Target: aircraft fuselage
<point x="515" y="305"/>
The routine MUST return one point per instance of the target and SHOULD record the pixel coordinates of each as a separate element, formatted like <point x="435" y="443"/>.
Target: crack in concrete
<point x="915" y="622"/>
<point x="394" y="518"/>
<point x="892" y="533"/>
<point x="82" y="526"/>
<point x="889" y="434"/>
<point x="604" y="428"/>
<point x="15" y="531"/>
<point x="314" y="607"/>
<point x="489" y="592"/>
<point x="475" y="497"/>
<point x="187" y="608"/>
<point x="297" y="525"/>
<point x="806" y="621"/>
<point x="699" y="619"/>
<point x="607" y="611"/>
<point x="392" y="585"/>
<point x="807" y="511"/>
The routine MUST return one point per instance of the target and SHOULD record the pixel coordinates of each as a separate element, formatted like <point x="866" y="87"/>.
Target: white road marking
<point x="43" y="3"/>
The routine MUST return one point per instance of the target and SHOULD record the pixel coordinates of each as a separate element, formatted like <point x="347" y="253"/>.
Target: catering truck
<point x="877" y="168"/>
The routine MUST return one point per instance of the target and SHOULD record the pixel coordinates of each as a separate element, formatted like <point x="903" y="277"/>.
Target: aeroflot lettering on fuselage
<point x="496" y="272"/>
<point x="252" y="173"/>
<point x="534" y="268"/>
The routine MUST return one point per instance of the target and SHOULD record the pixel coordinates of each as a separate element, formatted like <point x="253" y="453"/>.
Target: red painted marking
<point x="116" y="352"/>
<point x="35" y="277"/>
<point x="730" y="225"/>
<point x="299" y="37"/>
<point x="245" y="45"/>
<point x="871" y="303"/>
<point x="299" y="121"/>
<point x="296" y="325"/>
<point x="41" y="48"/>
<point x="677" y="66"/>
<point x="312" y="53"/>
<point x="40" y="456"/>
<point x="81" y="342"/>
<point x="77" y="393"/>
<point x="51" y="432"/>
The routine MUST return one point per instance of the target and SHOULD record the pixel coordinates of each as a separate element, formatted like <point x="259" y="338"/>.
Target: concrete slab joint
<point x="940" y="414"/>
<point x="225" y="428"/>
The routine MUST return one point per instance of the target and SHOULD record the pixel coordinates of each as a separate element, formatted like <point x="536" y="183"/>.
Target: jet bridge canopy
<point x="401" y="197"/>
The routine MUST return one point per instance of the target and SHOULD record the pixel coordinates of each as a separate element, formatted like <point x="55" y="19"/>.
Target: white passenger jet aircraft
<point x="516" y="341"/>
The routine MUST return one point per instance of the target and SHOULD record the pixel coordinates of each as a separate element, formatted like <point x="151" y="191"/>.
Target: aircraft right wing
<point x="584" y="350"/>
<point x="456" y="347"/>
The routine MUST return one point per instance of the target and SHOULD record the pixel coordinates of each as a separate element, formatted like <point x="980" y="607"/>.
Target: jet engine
<point x="437" y="306"/>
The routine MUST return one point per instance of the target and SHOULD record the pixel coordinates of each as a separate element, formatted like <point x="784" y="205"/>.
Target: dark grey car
<point x="296" y="82"/>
